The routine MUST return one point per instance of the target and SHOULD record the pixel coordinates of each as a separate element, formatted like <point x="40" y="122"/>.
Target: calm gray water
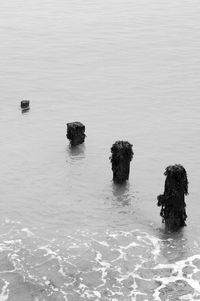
<point x="128" y="70"/>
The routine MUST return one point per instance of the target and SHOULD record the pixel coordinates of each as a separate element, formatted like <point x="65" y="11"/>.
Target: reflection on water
<point x="121" y="194"/>
<point x="175" y="245"/>
<point x="76" y="152"/>
<point x="25" y="110"/>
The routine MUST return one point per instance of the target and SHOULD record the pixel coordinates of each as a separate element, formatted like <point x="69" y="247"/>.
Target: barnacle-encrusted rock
<point x="122" y="154"/>
<point x="76" y="133"/>
<point x="172" y="201"/>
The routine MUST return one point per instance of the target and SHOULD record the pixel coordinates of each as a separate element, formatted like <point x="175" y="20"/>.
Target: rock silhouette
<point x="172" y="201"/>
<point x="25" y="104"/>
<point x="122" y="154"/>
<point x="76" y="133"/>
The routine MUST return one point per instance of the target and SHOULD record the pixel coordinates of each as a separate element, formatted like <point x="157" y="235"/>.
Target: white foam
<point x="177" y="274"/>
<point x="114" y="235"/>
<point x="156" y="244"/>
<point x="27" y="231"/>
<point x="3" y="248"/>
<point x="5" y="291"/>
<point x="187" y="297"/>
<point x="12" y="242"/>
<point x="132" y="244"/>
<point x="48" y="250"/>
<point x="61" y="271"/>
<point x="111" y="272"/>
<point x="103" y="243"/>
<point x="104" y="266"/>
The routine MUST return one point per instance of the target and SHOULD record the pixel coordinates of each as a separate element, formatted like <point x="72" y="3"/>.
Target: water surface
<point x="128" y="70"/>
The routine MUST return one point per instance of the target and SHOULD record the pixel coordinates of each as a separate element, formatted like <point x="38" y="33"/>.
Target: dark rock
<point x="76" y="133"/>
<point x="122" y="154"/>
<point x="172" y="201"/>
<point x="25" y="104"/>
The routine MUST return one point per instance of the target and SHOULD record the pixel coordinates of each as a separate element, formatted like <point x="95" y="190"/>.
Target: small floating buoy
<point x="121" y="157"/>
<point x="172" y="201"/>
<point x="76" y="133"/>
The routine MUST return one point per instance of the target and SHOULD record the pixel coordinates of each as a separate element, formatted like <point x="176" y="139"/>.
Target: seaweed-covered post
<point x="25" y="104"/>
<point x="75" y="133"/>
<point x="121" y="157"/>
<point x="172" y="202"/>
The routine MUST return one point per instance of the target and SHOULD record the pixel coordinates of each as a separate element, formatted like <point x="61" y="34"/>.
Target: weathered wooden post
<point x="172" y="202"/>
<point x="25" y="104"/>
<point x="76" y="133"/>
<point x="121" y="157"/>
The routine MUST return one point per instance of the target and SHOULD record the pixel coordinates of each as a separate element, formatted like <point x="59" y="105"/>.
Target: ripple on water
<point x="115" y="265"/>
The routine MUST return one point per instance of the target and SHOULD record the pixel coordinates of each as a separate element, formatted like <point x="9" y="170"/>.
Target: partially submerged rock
<point x="25" y="104"/>
<point x="76" y="133"/>
<point x="122" y="154"/>
<point x="172" y="201"/>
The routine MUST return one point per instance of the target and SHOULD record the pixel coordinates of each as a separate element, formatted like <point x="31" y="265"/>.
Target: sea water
<point x="128" y="70"/>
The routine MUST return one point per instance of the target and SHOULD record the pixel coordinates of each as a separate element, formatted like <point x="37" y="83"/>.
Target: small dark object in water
<point x="122" y="154"/>
<point x="25" y="104"/>
<point x="76" y="133"/>
<point x="172" y="202"/>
